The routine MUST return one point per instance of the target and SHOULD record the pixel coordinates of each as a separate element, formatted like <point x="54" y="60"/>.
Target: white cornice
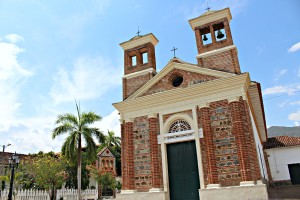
<point x="139" y="73"/>
<point x="210" y="17"/>
<point x="216" y="51"/>
<point x="139" y="40"/>
<point x="194" y="95"/>
<point x="183" y="66"/>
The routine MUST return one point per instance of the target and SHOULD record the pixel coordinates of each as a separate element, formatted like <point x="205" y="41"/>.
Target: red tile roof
<point x="281" y="141"/>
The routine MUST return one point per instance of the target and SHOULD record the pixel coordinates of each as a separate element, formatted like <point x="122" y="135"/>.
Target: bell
<point x="204" y="38"/>
<point x="220" y="35"/>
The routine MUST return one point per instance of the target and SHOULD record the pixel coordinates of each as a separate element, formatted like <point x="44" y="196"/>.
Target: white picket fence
<point x="67" y="194"/>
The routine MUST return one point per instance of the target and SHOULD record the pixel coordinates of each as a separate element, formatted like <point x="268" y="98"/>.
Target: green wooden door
<point x="183" y="171"/>
<point x="294" y="170"/>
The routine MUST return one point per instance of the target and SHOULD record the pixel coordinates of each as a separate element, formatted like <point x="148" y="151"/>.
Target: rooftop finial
<point x="208" y="8"/>
<point x="174" y="49"/>
<point x="138" y="33"/>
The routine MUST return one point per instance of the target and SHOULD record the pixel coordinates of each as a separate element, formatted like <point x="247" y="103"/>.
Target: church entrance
<point x="183" y="171"/>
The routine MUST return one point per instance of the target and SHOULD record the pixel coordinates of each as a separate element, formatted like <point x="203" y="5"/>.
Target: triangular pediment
<point x="192" y="74"/>
<point x="105" y="152"/>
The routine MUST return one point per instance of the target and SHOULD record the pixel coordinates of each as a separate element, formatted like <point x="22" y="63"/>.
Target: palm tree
<point x="78" y="127"/>
<point x="111" y="140"/>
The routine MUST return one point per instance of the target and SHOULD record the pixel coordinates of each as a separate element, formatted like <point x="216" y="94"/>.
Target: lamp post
<point x="2" y="162"/>
<point x="13" y="163"/>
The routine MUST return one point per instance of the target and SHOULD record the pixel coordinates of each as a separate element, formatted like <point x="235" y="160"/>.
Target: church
<point x="192" y="131"/>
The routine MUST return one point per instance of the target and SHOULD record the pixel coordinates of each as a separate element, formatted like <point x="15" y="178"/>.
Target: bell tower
<point x="139" y="62"/>
<point x="214" y="41"/>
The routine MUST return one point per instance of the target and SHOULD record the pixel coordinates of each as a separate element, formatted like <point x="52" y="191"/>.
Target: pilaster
<point x="155" y="166"/>
<point x="237" y="108"/>
<point x="129" y="155"/>
<point x="209" y="146"/>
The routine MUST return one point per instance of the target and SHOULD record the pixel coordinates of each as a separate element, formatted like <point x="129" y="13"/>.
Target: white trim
<point x="182" y="66"/>
<point x="177" y="116"/>
<point x="139" y="73"/>
<point x="139" y="40"/>
<point x="210" y="16"/>
<point x="128" y="191"/>
<point x="216" y="51"/>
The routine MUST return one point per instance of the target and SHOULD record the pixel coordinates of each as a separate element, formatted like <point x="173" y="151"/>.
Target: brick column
<point x="212" y="175"/>
<point x="123" y="160"/>
<point x="129" y="156"/>
<point x="237" y="108"/>
<point x="213" y="36"/>
<point x="155" y="167"/>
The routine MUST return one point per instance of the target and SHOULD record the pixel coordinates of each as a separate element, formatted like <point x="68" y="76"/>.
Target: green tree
<point x="47" y="172"/>
<point x="78" y="127"/>
<point x="105" y="180"/>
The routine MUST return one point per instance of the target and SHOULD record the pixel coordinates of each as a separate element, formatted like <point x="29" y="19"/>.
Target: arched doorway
<point x="182" y="165"/>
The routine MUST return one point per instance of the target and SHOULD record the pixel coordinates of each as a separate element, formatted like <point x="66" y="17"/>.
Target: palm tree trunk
<point x="79" y="168"/>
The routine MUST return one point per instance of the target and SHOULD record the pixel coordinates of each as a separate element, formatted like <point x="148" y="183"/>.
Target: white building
<point x="283" y="154"/>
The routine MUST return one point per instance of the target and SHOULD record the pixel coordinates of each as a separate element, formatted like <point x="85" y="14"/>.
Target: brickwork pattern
<point x="210" y="159"/>
<point x="142" y="155"/>
<point x="129" y="157"/>
<point x="156" y="169"/>
<point x="250" y="142"/>
<point x="137" y="51"/>
<point x="189" y="78"/>
<point x="226" y="61"/>
<point x="237" y="109"/>
<point x="133" y="84"/>
<point x="227" y="160"/>
<point x="123" y="158"/>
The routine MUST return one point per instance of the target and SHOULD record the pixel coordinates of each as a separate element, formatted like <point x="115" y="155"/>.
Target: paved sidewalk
<point x="290" y="192"/>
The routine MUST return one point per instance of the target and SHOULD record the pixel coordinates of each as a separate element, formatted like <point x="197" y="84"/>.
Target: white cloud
<point x="299" y="72"/>
<point x="12" y="78"/>
<point x="295" y="117"/>
<point x="294" y="48"/>
<point x="279" y="74"/>
<point x="295" y="103"/>
<point x="282" y="89"/>
<point x="90" y="78"/>
<point x="14" y="38"/>
<point x="110" y="122"/>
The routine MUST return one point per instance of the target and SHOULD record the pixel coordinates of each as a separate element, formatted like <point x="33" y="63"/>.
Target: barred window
<point x="179" y="125"/>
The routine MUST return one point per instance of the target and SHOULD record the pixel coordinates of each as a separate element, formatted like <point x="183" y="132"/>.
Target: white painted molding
<point x="210" y="16"/>
<point x="177" y="116"/>
<point x="213" y="186"/>
<point x="153" y="115"/>
<point x="139" y="40"/>
<point x="155" y="190"/>
<point x="231" y="99"/>
<point x="129" y="120"/>
<point x="128" y="191"/>
<point x="216" y="51"/>
<point x="139" y="73"/>
<point x="247" y="183"/>
<point x="203" y="104"/>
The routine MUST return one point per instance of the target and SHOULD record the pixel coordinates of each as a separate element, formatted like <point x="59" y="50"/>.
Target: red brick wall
<point x="128" y="154"/>
<point x="189" y="78"/>
<point x="133" y="84"/>
<point x="188" y="112"/>
<point x="228" y="147"/>
<point x="156" y="169"/>
<point x="226" y="61"/>
<point x="142" y="156"/>
<point x="137" y="51"/>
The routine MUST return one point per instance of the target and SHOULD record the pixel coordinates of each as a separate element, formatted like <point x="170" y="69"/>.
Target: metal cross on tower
<point x="174" y="49"/>
<point x="208" y="8"/>
<point x="138" y="33"/>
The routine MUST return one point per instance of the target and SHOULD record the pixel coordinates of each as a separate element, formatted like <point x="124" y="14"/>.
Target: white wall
<point x="279" y="158"/>
<point x="259" y="150"/>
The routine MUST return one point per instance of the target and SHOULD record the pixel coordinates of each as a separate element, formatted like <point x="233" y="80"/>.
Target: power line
<point x="280" y="95"/>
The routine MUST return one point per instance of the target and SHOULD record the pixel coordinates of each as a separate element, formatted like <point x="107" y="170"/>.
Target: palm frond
<point x="88" y="118"/>
<point x="69" y="148"/>
<point x="67" y="118"/>
<point x="64" y="128"/>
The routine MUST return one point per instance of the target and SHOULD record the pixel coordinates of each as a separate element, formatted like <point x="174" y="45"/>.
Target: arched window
<point x="179" y="125"/>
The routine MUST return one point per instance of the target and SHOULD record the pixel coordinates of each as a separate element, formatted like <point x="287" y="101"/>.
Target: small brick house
<point x="191" y="131"/>
<point x="106" y="161"/>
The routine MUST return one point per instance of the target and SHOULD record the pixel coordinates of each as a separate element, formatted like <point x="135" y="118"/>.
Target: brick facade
<point x="189" y="78"/>
<point x="228" y="148"/>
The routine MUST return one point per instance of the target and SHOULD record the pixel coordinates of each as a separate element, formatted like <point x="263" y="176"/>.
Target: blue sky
<point x="52" y="52"/>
